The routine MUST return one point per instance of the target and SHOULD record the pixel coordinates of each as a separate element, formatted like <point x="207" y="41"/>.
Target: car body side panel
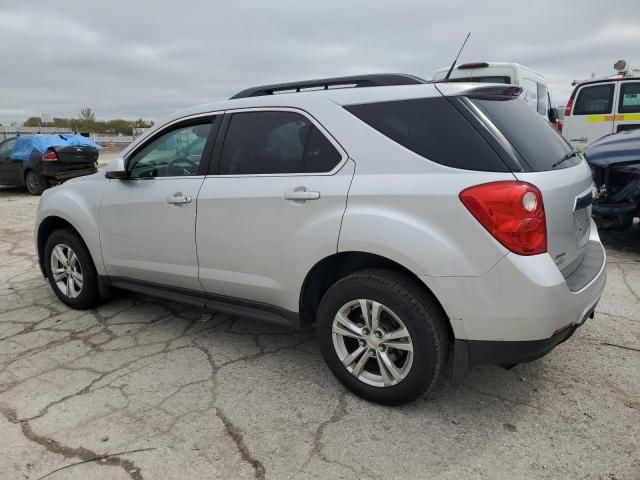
<point x="255" y="245"/>
<point x="420" y="222"/>
<point x="80" y="206"/>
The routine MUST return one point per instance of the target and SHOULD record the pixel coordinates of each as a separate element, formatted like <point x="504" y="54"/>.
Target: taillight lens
<point x="512" y="212"/>
<point x="567" y="109"/>
<point x="50" y="157"/>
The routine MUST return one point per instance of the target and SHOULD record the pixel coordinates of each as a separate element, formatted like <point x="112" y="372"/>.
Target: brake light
<point x="512" y="212"/>
<point x="466" y="66"/>
<point x="567" y="109"/>
<point x="50" y="157"/>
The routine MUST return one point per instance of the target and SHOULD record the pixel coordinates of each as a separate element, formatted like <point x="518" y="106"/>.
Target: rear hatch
<point x="79" y="155"/>
<point x="534" y="150"/>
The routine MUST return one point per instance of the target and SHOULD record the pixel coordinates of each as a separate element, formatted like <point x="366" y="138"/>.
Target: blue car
<point x="39" y="161"/>
<point x="615" y="164"/>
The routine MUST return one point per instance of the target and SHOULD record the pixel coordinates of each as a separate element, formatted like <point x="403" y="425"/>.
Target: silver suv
<point x="414" y="225"/>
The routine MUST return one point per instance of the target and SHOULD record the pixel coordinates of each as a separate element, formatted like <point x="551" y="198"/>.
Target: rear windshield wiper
<point x="569" y="155"/>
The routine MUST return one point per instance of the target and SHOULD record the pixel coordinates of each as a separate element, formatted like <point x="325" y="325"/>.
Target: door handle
<point x="301" y="194"/>
<point x="178" y="199"/>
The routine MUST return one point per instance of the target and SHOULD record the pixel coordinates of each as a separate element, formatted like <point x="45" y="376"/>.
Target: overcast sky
<point x="147" y="58"/>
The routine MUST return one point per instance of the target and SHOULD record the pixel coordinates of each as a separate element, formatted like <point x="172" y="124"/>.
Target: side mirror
<point x="553" y="116"/>
<point x="117" y="174"/>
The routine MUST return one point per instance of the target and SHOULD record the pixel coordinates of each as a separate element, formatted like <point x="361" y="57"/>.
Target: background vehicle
<point x="559" y="111"/>
<point x="615" y="163"/>
<point x="393" y="219"/>
<point x="39" y="161"/>
<point x="602" y="106"/>
<point x="535" y="91"/>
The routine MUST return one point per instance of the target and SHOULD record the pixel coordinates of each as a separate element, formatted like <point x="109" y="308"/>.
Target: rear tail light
<point x="50" y="157"/>
<point x="512" y="212"/>
<point x="567" y="109"/>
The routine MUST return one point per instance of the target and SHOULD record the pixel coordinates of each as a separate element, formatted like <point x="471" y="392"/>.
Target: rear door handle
<point x="301" y="194"/>
<point x="178" y="199"/>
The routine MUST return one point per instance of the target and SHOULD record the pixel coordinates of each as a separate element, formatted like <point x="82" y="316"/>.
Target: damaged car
<point x="615" y="164"/>
<point x="37" y="162"/>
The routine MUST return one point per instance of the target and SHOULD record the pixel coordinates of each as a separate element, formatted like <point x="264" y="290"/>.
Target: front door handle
<point x="178" y="199"/>
<point x="301" y="194"/>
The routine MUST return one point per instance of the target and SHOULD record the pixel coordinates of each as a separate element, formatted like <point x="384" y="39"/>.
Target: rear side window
<point x="539" y="145"/>
<point x="597" y="99"/>
<point x="629" y="98"/>
<point x="275" y="143"/>
<point x="432" y="128"/>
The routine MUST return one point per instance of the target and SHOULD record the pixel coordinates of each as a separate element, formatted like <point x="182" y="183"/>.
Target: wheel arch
<point x="330" y="269"/>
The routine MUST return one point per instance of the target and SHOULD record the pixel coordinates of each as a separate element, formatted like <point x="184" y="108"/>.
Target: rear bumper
<point x="61" y="172"/>
<point x="522" y="308"/>
<point x="471" y="353"/>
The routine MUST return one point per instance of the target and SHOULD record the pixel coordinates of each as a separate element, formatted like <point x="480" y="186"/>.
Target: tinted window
<point x="630" y="98"/>
<point x="7" y="147"/>
<point x="174" y="154"/>
<point x="597" y="99"/>
<point x="542" y="99"/>
<point x="432" y="128"/>
<point x="539" y="145"/>
<point x="273" y="143"/>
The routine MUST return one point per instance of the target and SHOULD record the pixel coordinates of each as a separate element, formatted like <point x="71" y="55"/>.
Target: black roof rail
<point x="374" y="80"/>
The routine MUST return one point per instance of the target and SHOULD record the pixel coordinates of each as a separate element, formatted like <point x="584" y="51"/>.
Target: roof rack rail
<point x="374" y="80"/>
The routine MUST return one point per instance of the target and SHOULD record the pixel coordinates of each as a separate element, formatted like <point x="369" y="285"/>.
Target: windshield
<point x="537" y="142"/>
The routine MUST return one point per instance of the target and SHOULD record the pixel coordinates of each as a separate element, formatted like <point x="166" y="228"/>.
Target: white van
<point x="535" y="89"/>
<point x="600" y="107"/>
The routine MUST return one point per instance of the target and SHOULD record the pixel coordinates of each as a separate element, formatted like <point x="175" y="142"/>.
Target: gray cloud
<point x="149" y="57"/>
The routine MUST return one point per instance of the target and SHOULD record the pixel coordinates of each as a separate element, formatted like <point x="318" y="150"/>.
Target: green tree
<point x="87" y="115"/>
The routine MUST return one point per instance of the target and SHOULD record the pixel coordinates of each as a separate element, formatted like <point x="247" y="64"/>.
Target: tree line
<point x="86" y="122"/>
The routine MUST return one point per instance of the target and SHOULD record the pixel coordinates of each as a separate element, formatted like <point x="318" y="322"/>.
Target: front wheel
<point x="70" y="270"/>
<point x="35" y="183"/>
<point x="382" y="336"/>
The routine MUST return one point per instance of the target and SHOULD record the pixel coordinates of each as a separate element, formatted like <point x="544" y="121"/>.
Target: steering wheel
<point x="183" y="171"/>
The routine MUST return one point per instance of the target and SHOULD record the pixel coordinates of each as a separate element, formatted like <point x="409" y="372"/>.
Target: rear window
<point x="539" y="145"/>
<point x="594" y="100"/>
<point x="630" y="98"/>
<point x="432" y="128"/>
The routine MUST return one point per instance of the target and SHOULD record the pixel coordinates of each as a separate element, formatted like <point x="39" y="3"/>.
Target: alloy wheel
<point x="372" y="343"/>
<point x="66" y="270"/>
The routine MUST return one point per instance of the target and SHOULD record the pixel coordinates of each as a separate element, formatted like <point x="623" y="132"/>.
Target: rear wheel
<point x="70" y="270"/>
<point x="35" y="183"/>
<point x="382" y="336"/>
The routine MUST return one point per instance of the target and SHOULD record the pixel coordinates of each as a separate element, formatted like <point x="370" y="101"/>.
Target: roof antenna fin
<point x="446" y="78"/>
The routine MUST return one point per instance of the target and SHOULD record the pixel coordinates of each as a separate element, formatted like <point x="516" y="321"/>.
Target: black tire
<point x="35" y="183"/>
<point x="421" y="315"/>
<point x="89" y="294"/>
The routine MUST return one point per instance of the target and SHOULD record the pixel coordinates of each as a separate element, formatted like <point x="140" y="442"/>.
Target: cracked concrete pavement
<point x="145" y="389"/>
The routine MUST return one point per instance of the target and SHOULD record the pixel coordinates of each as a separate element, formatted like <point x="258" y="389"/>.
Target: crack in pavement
<point x="238" y="438"/>
<point x="82" y="453"/>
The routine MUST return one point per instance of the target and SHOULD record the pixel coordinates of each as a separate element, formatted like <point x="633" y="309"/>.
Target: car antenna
<point x="446" y="78"/>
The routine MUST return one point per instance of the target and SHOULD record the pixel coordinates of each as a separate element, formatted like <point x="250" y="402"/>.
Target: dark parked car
<point x="39" y="161"/>
<point x="615" y="164"/>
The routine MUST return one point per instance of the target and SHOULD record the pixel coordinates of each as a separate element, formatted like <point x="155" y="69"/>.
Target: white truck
<point x="602" y="106"/>
<point x="535" y="90"/>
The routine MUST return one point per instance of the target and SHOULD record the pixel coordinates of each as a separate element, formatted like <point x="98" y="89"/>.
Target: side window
<point x="7" y="147"/>
<point x="433" y="129"/>
<point x="597" y="99"/>
<point x="174" y="154"/>
<point x="629" y="98"/>
<point x="543" y="107"/>
<point x="274" y="143"/>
